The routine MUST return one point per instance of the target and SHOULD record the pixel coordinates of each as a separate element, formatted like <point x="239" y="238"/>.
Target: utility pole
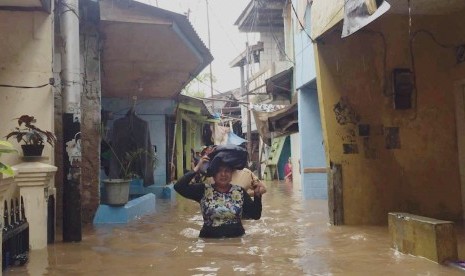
<point x="71" y="79"/>
<point x="210" y="65"/>
<point x="249" y="123"/>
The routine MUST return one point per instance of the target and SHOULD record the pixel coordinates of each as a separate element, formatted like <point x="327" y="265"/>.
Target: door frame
<point x="459" y="93"/>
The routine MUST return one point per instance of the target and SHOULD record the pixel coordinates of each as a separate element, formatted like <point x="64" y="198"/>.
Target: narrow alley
<point x="292" y="238"/>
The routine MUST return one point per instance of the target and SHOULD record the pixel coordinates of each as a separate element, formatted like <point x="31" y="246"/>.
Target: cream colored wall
<point x="421" y="176"/>
<point x="25" y="60"/>
<point x="295" y="155"/>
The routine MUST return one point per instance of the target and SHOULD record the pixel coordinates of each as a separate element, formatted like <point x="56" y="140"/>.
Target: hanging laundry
<point x="207" y="135"/>
<point x="221" y="134"/>
<point x="129" y="134"/>
<point x="233" y="139"/>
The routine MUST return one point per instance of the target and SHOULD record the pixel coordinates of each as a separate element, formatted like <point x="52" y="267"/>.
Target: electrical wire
<point x="301" y="25"/>
<point x="282" y="51"/>
<point x="335" y="14"/>
<point x="224" y="30"/>
<point x="412" y="55"/>
<point x="70" y="8"/>
<point x="420" y="31"/>
<point x="383" y="38"/>
<point x="25" y="87"/>
<point x="206" y="84"/>
<point x="255" y="16"/>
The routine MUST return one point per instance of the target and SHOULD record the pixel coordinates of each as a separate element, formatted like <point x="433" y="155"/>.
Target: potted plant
<point x="6" y="147"/>
<point x="117" y="189"/>
<point x="32" y="137"/>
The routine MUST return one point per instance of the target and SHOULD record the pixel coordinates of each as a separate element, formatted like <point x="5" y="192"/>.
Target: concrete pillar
<point x="72" y="88"/>
<point x="32" y="179"/>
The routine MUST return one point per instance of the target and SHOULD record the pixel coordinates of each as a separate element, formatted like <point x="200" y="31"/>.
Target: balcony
<point x="257" y="83"/>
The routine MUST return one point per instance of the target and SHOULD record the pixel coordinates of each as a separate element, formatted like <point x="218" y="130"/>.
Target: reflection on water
<point x="292" y="238"/>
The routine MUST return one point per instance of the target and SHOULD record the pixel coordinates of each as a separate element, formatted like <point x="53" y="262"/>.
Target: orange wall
<point x="421" y="176"/>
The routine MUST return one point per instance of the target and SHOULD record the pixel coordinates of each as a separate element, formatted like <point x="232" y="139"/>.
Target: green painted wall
<point x="284" y="157"/>
<point x="408" y="161"/>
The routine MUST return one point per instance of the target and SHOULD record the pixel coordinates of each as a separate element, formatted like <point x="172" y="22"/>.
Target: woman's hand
<point x="204" y="159"/>
<point x="259" y="188"/>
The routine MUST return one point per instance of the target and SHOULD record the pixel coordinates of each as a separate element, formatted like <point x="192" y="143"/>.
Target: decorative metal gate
<point x="15" y="246"/>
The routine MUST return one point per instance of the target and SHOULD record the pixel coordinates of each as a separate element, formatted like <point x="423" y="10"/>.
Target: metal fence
<point x="15" y="246"/>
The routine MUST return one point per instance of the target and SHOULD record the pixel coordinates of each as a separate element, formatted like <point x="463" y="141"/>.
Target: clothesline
<point x="220" y="100"/>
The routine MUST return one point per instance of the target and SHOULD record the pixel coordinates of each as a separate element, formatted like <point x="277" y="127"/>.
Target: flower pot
<point x="32" y="150"/>
<point x="116" y="191"/>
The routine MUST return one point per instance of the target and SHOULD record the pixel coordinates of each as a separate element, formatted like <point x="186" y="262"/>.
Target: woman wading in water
<point x="223" y="204"/>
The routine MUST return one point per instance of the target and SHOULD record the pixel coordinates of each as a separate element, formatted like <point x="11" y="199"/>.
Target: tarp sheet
<point x="359" y="13"/>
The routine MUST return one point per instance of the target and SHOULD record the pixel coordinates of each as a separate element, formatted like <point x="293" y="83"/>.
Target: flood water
<point x="292" y="238"/>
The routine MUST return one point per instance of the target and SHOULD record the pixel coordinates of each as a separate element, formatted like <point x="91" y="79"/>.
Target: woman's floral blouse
<point x="222" y="212"/>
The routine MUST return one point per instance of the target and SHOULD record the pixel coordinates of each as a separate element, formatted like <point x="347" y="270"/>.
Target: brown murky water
<point x="292" y="238"/>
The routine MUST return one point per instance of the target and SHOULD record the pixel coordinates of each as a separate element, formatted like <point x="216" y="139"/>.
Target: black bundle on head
<point x="231" y="156"/>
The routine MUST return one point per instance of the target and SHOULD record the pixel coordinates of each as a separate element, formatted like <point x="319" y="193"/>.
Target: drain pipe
<point x="71" y="89"/>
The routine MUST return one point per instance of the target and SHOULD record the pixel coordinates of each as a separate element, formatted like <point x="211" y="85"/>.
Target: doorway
<point x="460" y="121"/>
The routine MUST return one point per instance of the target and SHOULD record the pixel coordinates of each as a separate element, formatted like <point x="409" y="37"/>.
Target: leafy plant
<point x="127" y="162"/>
<point x="6" y="147"/>
<point x="128" y="170"/>
<point x="30" y="134"/>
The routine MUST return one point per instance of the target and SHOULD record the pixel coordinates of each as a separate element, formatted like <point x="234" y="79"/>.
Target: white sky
<point x="226" y="40"/>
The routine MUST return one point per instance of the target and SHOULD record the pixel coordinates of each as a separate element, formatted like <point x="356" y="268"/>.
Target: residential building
<point x="266" y="77"/>
<point x="390" y="92"/>
<point x="63" y="62"/>
<point x="312" y="162"/>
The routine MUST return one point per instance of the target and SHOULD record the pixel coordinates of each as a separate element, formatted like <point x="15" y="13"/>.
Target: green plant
<point x="30" y="134"/>
<point x="6" y="147"/>
<point x="127" y="162"/>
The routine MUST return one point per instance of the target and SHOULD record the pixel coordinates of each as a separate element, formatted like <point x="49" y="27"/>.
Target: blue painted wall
<point x="314" y="185"/>
<point x="153" y="111"/>
<point x="304" y="55"/>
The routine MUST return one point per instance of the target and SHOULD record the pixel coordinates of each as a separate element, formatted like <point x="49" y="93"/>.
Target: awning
<point x="285" y="122"/>
<point x="280" y="83"/>
<point x="147" y="51"/>
<point x="26" y="5"/>
<point x="197" y="106"/>
<point x="276" y="123"/>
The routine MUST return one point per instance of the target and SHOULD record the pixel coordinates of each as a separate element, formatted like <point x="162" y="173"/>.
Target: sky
<point x="226" y="42"/>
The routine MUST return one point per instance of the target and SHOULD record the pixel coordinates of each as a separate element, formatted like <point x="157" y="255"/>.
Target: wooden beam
<point x="199" y="118"/>
<point x="188" y="145"/>
<point x="194" y="118"/>
<point x="179" y="148"/>
<point x="315" y="170"/>
<point x="194" y="109"/>
<point x="335" y="199"/>
<point x="186" y="117"/>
